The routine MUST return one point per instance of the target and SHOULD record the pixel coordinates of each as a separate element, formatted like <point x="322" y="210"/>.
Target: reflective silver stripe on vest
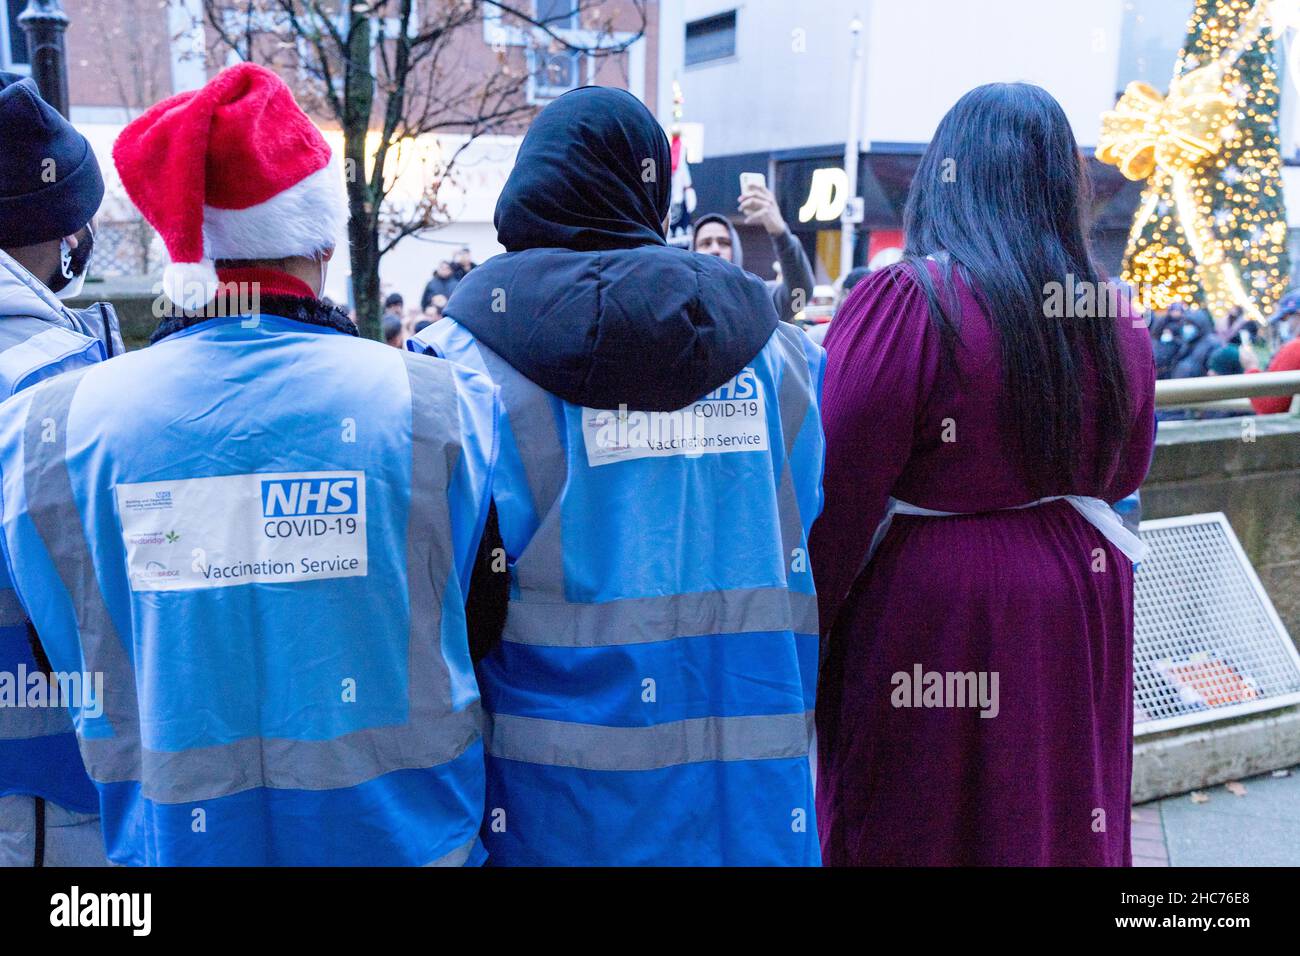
<point x="206" y="773"/>
<point x="794" y="390"/>
<point x="25" y="723"/>
<point x="532" y="423"/>
<point x="646" y="620"/>
<point x="29" y="344"/>
<point x="556" y="743"/>
<point x="52" y="507"/>
<point x="431" y="736"/>
<point x="531" y="418"/>
<point x="435" y="451"/>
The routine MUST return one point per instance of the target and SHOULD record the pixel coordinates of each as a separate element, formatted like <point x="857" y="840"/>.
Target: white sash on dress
<point x="1095" y="511"/>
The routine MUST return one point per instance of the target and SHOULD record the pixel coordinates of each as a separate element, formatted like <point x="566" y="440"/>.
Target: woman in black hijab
<point x="598" y="309"/>
<point x="594" y="172"/>
<point x="642" y="548"/>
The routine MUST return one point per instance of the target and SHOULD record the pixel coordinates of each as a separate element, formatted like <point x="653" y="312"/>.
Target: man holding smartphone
<point x="716" y="236"/>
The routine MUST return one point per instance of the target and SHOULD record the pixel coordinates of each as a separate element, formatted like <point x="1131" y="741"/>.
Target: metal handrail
<point x="1216" y="388"/>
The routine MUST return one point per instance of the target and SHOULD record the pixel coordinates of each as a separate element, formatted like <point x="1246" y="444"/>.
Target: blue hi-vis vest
<point x="651" y="702"/>
<point x="38" y="749"/>
<point x="264" y="550"/>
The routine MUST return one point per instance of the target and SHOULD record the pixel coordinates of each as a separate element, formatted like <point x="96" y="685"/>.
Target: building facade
<point x="772" y="86"/>
<point x="125" y="55"/>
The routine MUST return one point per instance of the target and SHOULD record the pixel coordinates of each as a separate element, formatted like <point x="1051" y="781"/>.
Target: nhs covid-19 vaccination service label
<point x="731" y="418"/>
<point x="244" y="529"/>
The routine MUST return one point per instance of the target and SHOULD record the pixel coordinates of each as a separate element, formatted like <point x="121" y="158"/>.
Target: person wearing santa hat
<point x="261" y="530"/>
<point x="50" y="189"/>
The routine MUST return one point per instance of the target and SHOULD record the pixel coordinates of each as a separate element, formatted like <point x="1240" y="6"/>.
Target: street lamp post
<point x="44" y="22"/>
<point x="852" y="143"/>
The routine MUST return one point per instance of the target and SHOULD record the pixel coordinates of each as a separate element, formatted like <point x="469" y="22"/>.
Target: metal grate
<point x="1207" y="643"/>
<point x="130" y="248"/>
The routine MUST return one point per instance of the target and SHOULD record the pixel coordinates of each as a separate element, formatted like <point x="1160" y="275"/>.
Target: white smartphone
<point x="751" y="181"/>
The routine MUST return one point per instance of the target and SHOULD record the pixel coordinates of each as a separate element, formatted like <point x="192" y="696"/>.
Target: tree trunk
<point x="363" y="219"/>
<point x="364" y="239"/>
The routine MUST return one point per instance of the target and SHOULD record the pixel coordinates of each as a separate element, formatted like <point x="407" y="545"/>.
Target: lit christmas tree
<point x="1211" y="227"/>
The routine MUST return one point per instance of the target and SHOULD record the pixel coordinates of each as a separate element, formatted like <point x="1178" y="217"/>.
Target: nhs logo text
<point x="299" y="497"/>
<point x="742" y="388"/>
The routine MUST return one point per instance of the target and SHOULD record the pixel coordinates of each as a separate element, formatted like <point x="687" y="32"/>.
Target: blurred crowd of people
<point x="400" y="323"/>
<point x="1191" y="342"/>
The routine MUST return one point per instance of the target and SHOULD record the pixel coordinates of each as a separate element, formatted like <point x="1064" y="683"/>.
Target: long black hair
<point x="1000" y="198"/>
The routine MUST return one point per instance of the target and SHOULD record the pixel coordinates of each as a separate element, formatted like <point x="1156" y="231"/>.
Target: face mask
<point x="73" y="264"/>
<point x="1190" y="332"/>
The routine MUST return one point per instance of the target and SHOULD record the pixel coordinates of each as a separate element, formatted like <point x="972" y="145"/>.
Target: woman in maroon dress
<point x="976" y="696"/>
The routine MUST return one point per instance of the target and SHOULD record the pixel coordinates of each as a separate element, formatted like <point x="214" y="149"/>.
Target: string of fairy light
<point x="1233" y="214"/>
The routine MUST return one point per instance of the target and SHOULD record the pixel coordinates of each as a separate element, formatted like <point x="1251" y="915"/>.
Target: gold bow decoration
<point x="1178" y="135"/>
<point x="1178" y="132"/>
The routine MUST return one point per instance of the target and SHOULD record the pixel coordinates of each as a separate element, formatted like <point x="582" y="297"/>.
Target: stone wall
<point x="132" y="298"/>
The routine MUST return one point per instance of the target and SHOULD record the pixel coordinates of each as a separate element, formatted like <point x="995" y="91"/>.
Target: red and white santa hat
<point x="234" y="170"/>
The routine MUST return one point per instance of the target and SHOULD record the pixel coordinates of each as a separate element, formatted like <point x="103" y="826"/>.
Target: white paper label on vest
<point x="731" y="418"/>
<point x="244" y="529"/>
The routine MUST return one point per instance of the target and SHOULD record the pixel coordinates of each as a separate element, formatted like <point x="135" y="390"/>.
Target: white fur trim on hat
<point x="305" y="219"/>
<point x="190" y="285"/>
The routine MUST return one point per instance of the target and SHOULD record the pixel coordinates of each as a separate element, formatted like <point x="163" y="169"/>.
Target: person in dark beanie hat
<point x="50" y="189"/>
<point x="1226" y="361"/>
<point x="50" y="184"/>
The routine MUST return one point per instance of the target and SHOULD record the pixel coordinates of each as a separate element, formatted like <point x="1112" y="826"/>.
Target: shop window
<point x="554" y="73"/>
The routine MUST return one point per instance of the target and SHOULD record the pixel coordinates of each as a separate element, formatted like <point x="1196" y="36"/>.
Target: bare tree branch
<point x="388" y="73"/>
